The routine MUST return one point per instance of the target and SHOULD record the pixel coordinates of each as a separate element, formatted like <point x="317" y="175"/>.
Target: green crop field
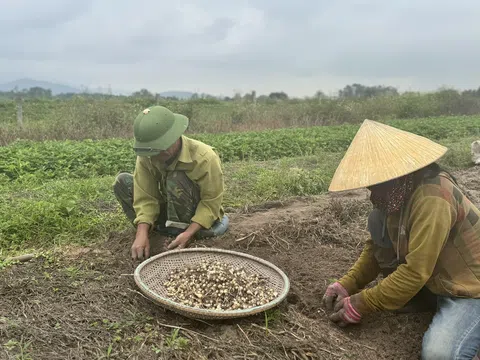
<point x="60" y="191"/>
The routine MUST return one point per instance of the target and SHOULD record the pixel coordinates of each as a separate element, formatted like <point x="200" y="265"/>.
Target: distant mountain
<point x="29" y="83"/>
<point x="56" y="89"/>
<point x="177" y="94"/>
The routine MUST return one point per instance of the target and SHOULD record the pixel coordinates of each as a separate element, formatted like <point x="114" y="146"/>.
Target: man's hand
<point x="335" y="292"/>
<point x="182" y="240"/>
<point x="141" y="245"/>
<point x="348" y="311"/>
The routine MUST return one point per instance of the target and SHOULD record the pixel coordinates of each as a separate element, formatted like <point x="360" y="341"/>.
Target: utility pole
<point x="19" y="99"/>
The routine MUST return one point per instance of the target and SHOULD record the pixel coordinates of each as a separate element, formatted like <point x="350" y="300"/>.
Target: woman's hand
<point x="335" y="292"/>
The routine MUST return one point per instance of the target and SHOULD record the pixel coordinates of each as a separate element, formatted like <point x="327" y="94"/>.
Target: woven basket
<point x="153" y="272"/>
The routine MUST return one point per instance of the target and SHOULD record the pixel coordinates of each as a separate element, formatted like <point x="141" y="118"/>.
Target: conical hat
<point x="380" y="153"/>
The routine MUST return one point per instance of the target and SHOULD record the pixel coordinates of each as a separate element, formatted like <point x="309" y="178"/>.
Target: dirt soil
<point x="82" y="303"/>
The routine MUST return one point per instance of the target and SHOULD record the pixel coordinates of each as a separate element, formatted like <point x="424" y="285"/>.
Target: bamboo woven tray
<point x="153" y="272"/>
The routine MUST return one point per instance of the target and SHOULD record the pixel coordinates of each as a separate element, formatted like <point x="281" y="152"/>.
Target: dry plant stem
<point x="253" y="238"/>
<point x="295" y="336"/>
<point x="246" y="237"/>
<point x="281" y="343"/>
<point x="329" y="352"/>
<point x="243" y="332"/>
<point x="204" y="322"/>
<point x="187" y="330"/>
<point x="285" y="241"/>
<point x="139" y="293"/>
<point x="22" y="258"/>
<point x="356" y="343"/>
<point x="270" y="243"/>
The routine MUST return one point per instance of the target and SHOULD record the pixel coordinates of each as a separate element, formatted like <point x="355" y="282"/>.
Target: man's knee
<point x="123" y="181"/>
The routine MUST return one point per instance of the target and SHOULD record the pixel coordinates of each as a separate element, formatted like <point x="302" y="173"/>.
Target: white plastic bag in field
<point x="476" y="152"/>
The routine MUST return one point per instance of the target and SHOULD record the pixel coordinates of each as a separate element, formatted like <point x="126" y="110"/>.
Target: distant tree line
<point x="353" y="91"/>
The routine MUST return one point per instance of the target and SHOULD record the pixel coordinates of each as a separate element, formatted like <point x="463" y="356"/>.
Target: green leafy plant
<point x="83" y="159"/>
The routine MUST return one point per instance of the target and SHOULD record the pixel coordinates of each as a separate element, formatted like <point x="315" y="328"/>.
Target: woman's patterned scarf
<point x="392" y="196"/>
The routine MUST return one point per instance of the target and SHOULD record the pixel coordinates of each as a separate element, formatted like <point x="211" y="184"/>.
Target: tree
<point x="237" y="97"/>
<point x="362" y="91"/>
<point x="250" y="97"/>
<point x="143" y="93"/>
<point x="471" y="92"/>
<point x="38" y="92"/>
<point x="278" y="96"/>
<point x="320" y="95"/>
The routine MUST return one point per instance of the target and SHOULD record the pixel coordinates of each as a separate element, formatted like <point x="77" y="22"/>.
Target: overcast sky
<point x="223" y="46"/>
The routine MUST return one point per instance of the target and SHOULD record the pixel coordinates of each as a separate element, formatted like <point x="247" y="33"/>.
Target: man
<point x="425" y="239"/>
<point x="177" y="187"/>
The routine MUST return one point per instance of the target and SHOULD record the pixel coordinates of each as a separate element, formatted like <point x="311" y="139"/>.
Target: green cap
<point x="156" y="128"/>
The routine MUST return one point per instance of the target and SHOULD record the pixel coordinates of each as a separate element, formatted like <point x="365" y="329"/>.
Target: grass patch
<point x="459" y="155"/>
<point x="251" y="183"/>
<point x="84" y="210"/>
<point x="57" y="212"/>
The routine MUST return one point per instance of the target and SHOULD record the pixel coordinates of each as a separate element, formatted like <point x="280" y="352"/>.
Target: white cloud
<point x="218" y="46"/>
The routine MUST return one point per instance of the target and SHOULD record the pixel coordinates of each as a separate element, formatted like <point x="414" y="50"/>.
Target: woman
<point x="425" y="239"/>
